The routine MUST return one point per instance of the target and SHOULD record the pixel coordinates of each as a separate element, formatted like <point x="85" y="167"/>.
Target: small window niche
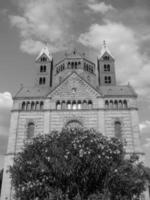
<point x="118" y="130"/>
<point x="30" y="130"/>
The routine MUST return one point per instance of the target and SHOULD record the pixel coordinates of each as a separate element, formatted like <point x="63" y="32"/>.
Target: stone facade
<point x="73" y="92"/>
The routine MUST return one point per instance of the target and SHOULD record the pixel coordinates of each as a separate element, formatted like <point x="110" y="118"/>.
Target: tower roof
<point x="104" y="50"/>
<point x="45" y="51"/>
<point x="75" y="54"/>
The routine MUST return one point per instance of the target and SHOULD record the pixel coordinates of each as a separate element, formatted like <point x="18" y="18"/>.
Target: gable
<point x="105" y="55"/>
<point x="74" y="87"/>
<point x="44" y="57"/>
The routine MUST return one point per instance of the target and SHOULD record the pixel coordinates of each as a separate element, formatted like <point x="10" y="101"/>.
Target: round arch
<point x="74" y="124"/>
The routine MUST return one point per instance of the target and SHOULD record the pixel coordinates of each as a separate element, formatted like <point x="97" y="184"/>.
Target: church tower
<point x="44" y="63"/>
<point x="106" y="68"/>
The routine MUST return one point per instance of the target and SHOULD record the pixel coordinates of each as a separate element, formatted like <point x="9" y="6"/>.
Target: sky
<point x="25" y="26"/>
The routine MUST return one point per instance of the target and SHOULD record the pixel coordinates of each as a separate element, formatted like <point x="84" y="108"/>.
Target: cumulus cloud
<point x="43" y="21"/>
<point x="5" y="100"/>
<point x="144" y="125"/>
<point x="101" y="7"/>
<point x="131" y="65"/>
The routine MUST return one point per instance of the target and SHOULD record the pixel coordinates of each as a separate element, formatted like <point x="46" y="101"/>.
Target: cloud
<point x="131" y="65"/>
<point x="144" y="125"/>
<point x="101" y="7"/>
<point x="43" y="21"/>
<point x="5" y="100"/>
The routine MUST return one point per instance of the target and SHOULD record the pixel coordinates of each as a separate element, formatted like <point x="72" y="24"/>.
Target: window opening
<point x="58" y="105"/>
<point x="69" y="105"/>
<point x="118" y="129"/>
<point x="30" y="130"/>
<point x="107" y="79"/>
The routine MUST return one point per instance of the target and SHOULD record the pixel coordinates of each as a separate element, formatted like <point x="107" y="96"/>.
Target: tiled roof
<point x="105" y="91"/>
<point x="118" y="91"/>
<point x="33" y="92"/>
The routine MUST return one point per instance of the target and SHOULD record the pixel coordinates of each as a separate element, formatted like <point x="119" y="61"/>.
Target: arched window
<point x="75" y="65"/>
<point x="90" y="104"/>
<point x="37" y="106"/>
<point x="107" y="79"/>
<point x="92" y="70"/>
<point x="106" y="104"/>
<point x="44" y="80"/>
<point x="84" y="104"/>
<point x="118" y="129"/>
<point x="63" y="105"/>
<point x="125" y="105"/>
<point x="44" y="68"/>
<point x="72" y="65"/>
<point x="57" y="71"/>
<point x="74" y="105"/>
<point x="74" y="124"/>
<point x="23" y="106"/>
<point x="41" y="105"/>
<point x="116" y="104"/>
<point x="88" y="67"/>
<point x="105" y="68"/>
<point x="28" y="106"/>
<point x="79" y="63"/>
<point x="108" y="68"/>
<point x="85" y="67"/>
<point x="40" y="81"/>
<point x="30" y="130"/>
<point x="41" y="68"/>
<point x="58" y="105"/>
<point x="43" y="59"/>
<point x="106" y="58"/>
<point x="62" y="67"/>
<point x="68" y="64"/>
<point x="120" y="105"/>
<point x="69" y="105"/>
<point x="79" y="105"/>
<point x="111" y="104"/>
<point x="32" y="106"/>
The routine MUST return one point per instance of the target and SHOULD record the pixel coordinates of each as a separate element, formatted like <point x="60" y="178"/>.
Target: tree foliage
<point x="1" y="177"/>
<point x="76" y="163"/>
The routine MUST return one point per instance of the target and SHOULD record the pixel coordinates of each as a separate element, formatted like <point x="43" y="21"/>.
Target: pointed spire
<point x="104" y="50"/>
<point x="45" y="51"/>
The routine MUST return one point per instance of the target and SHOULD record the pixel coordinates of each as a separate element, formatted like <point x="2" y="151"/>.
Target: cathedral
<point x="74" y="92"/>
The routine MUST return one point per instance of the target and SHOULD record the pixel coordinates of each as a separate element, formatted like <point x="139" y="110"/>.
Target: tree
<point x="76" y="163"/>
<point x="1" y="177"/>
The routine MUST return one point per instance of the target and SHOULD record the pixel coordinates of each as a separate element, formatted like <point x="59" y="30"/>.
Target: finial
<point x="74" y="51"/>
<point x="45" y="44"/>
<point x="104" y="44"/>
